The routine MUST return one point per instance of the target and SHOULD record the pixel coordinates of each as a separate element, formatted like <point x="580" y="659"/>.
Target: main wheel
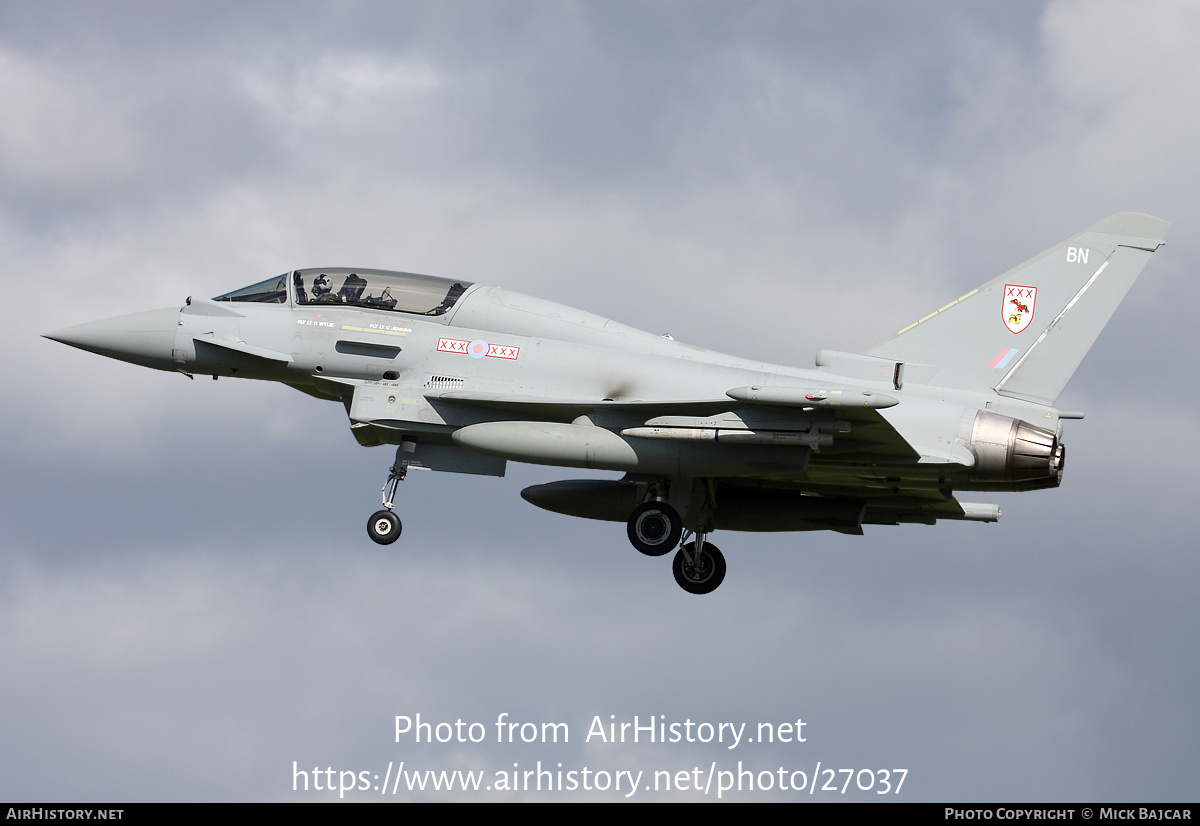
<point x="706" y="571"/>
<point x="384" y="527"/>
<point x="655" y="528"/>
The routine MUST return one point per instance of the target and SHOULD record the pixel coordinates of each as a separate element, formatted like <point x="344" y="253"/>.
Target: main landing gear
<point x="699" y="566"/>
<point x="655" y="528"/>
<point x="384" y="526"/>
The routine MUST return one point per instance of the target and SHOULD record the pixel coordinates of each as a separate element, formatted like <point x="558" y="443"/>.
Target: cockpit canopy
<point x="401" y="292"/>
<point x="271" y="291"/>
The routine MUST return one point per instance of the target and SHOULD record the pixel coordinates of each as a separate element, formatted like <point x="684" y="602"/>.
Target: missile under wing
<point x="464" y="378"/>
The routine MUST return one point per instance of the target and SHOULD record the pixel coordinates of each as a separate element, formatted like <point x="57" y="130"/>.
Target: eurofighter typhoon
<point x="464" y="378"/>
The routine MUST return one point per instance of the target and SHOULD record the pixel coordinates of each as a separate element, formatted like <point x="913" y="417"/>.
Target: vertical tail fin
<point x="1024" y="333"/>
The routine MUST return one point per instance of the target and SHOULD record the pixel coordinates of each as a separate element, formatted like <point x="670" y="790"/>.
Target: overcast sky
<point x="188" y="598"/>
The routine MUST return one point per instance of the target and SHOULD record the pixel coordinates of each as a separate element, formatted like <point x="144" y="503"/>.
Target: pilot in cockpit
<point x="321" y="287"/>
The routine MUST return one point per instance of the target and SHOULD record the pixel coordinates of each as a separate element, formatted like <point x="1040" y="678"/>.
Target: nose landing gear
<point x="384" y="526"/>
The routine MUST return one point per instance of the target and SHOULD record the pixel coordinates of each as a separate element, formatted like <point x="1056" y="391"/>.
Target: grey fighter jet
<point x="464" y="378"/>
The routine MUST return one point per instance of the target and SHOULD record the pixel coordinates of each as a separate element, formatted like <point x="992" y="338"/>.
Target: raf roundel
<point x="477" y="349"/>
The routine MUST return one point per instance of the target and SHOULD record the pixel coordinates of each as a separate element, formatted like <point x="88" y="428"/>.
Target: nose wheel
<point x="384" y="527"/>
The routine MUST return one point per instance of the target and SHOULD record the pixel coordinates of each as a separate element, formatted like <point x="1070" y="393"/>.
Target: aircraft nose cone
<point x="146" y="338"/>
